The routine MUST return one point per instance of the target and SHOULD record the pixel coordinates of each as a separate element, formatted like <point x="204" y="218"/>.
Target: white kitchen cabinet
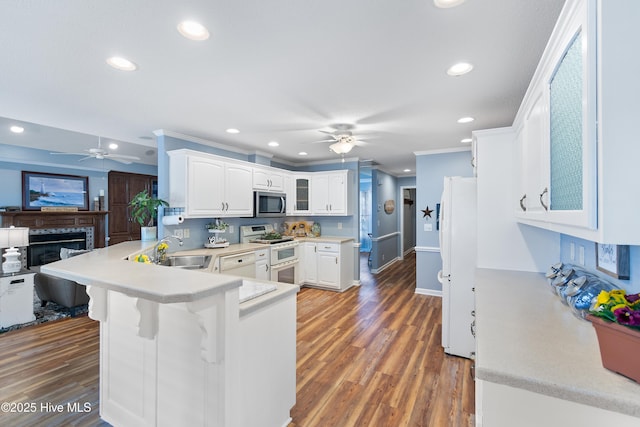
<point x="309" y="262"/>
<point x="332" y="193"/>
<point x="209" y="186"/>
<point x="299" y="194"/>
<point x="328" y="264"/>
<point x="268" y="179"/>
<point x="262" y="265"/>
<point x="580" y="109"/>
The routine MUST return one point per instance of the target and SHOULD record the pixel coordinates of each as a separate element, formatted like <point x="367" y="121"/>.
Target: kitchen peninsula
<point x="177" y="347"/>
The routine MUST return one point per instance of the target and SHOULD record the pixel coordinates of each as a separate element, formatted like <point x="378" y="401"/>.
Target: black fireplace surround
<point x="45" y="244"/>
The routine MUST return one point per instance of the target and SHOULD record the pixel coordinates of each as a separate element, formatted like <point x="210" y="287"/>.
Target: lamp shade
<point x="341" y="147"/>
<point x="14" y="237"/>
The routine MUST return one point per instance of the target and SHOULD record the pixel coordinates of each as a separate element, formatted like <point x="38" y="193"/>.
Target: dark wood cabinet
<point x="122" y="187"/>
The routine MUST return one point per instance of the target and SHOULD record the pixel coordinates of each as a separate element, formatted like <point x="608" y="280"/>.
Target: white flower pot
<point x="148" y="233"/>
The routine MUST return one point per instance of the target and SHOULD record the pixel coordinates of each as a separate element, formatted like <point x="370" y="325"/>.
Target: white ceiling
<point x="276" y="70"/>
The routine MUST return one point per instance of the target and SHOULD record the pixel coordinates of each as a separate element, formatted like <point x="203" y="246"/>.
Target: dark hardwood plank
<point x="370" y="356"/>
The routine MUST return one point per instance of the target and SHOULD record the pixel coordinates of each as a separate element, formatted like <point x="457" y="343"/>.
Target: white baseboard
<point x="387" y="265"/>
<point x="430" y="292"/>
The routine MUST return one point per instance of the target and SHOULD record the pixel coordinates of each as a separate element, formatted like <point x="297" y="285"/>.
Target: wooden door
<point x="122" y="187"/>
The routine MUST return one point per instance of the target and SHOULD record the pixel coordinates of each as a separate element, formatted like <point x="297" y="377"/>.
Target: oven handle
<point x="283" y="264"/>
<point x="284" y="205"/>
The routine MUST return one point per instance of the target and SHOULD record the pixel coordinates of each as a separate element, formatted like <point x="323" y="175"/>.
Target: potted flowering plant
<point x="616" y="319"/>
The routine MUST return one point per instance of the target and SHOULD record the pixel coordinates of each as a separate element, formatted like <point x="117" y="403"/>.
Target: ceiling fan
<point x="101" y="153"/>
<point x="342" y="138"/>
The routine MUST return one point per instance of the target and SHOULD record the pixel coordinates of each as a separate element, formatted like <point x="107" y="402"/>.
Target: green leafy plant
<point x="144" y="208"/>
<point x="217" y="225"/>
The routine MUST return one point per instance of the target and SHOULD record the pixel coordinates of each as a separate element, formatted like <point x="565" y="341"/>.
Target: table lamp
<point x="13" y="238"/>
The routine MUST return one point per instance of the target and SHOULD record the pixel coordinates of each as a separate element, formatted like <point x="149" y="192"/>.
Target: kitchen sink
<point x="191" y="262"/>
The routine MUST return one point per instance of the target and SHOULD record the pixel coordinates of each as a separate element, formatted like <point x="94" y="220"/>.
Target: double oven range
<point x="283" y="252"/>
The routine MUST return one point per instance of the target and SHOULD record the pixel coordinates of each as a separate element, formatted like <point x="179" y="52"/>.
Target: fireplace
<point x="45" y="244"/>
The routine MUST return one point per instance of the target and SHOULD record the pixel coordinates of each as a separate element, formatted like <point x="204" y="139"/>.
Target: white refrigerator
<point x="458" y="219"/>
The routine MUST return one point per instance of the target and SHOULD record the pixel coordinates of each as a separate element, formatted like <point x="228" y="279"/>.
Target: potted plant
<point x="217" y="226"/>
<point x="144" y="211"/>
<point x="616" y="319"/>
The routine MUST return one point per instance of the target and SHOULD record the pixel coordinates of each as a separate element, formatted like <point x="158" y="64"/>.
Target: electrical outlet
<point x="179" y="233"/>
<point x="230" y="229"/>
<point x="572" y="251"/>
<point x="339" y="226"/>
<point x="186" y="233"/>
<point x="581" y="255"/>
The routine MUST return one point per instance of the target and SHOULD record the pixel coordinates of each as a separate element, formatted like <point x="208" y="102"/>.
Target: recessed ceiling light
<point x="273" y="144"/>
<point x="122" y="64"/>
<point x="113" y="146"/>
<point x="445" y="4"/>
<point x="302" y="153"/>
<point x="466" y="120"/>
<point x="193" y="30"/>
<point x="459" y="69"/>
<point x="232" y="130"/>
<point x="466" y="140"/>
<point x="16" y="129"/>
<point x="407" y="170"/>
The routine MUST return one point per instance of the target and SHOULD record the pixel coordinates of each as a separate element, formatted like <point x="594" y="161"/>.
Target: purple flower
<point x="626" y="316"/>
<point x="632" y="298"/>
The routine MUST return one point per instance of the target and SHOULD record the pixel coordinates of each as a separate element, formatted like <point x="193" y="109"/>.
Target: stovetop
<point x="273" y="241"/>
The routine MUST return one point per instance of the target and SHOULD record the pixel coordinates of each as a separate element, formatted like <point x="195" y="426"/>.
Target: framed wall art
<point x="613" y="260"/>
<point x="45" y="190"/>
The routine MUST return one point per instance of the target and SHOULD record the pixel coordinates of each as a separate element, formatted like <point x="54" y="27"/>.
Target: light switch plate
<point x="428" y="227"/>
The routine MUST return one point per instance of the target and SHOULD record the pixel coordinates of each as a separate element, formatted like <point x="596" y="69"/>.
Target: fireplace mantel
<point x="39" y="220"/>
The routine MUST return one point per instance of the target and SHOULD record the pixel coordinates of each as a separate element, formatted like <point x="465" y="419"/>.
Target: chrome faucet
<point x="166" y="240"/>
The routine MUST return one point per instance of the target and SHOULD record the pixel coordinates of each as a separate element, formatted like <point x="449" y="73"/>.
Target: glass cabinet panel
<point x="566" y="130"/>
<point x="302" y="194"/>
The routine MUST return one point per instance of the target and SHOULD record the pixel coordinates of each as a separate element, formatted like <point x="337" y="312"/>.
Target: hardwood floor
<point x="370" y="356"/>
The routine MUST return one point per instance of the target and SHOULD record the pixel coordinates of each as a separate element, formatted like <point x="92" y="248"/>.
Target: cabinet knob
<point x="522" y="206"/>
<point x="545" y="191"/>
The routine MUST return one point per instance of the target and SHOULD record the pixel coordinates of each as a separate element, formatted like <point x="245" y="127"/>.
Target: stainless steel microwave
<point x="269" y="205"/>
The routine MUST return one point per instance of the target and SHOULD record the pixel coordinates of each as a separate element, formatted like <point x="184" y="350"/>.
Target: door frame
<point x="402" y="188"/>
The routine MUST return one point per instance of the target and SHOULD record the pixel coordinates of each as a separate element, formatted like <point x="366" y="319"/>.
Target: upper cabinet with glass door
<point x="577" y="155"/>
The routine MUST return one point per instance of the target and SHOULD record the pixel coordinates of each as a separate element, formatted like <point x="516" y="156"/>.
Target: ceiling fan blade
<point x="324" y="140"/>
<point x="121" y="156"/>
<point x="86" y="158"/>
<point x="67" y="154"/>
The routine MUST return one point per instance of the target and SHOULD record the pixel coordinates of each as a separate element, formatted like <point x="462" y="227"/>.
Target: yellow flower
<point x="142" y="258"/>
<point x="617" y="306"/>
<point x="603" y="298"/>
<point x="163" y="246"/>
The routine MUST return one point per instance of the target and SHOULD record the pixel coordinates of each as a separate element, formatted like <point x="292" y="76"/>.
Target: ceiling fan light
<point x="341" y="147"/>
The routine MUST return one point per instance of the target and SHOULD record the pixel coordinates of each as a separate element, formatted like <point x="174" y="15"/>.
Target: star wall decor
<point x="427" y="212"/>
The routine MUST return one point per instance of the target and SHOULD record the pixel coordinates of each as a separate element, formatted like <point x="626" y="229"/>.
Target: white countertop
<point x="526" y="338"/>
<point x="108" y="268"/>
